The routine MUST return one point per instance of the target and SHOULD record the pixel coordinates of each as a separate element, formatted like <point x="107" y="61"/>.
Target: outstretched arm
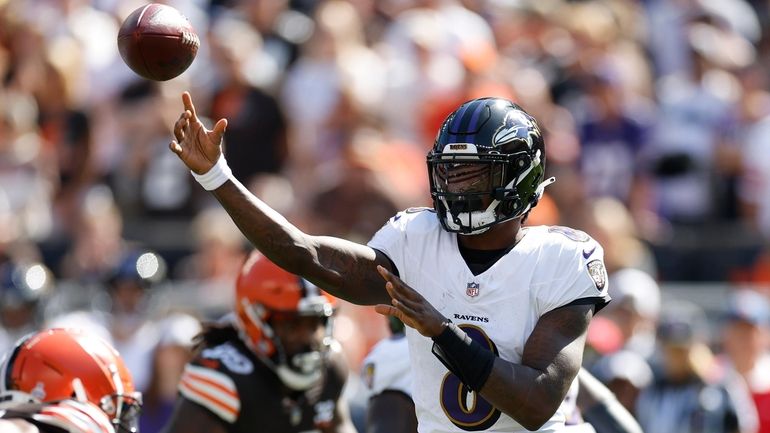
<point x="345" y="269"/>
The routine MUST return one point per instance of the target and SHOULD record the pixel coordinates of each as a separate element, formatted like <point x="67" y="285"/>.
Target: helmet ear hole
<point x="510" y="206"/>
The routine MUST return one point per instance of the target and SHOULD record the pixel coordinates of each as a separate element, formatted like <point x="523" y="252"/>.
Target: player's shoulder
<point x="217" y="379"/>
<point x="559" y="234"/>
<point x="560" y="238"/>
<point x="414" y="219"/>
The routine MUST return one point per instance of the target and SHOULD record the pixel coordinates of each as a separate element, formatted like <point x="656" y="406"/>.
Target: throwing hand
<point x="198" y="147"/>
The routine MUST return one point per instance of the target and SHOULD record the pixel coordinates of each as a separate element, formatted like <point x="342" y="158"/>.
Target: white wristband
<point x="216" y="176"/>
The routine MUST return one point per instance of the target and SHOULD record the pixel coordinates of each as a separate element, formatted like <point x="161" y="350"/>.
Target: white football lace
<point x="190" y="38"/>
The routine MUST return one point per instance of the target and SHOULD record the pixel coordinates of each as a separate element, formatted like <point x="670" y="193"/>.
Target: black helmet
<point x="486" y="166"/>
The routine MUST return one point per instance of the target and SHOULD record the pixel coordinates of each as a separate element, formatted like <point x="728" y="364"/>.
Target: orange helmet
<point x="264" y="291"/>
<point x="58" y="364"/>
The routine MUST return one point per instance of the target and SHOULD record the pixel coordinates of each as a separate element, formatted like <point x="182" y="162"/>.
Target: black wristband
<point x="465" y="358"/>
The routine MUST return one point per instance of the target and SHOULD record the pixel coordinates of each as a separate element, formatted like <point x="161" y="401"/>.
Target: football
<point x="157" y="42"/>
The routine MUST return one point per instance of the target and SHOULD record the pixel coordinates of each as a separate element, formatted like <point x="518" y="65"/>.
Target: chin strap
<point x="296" y="380"/>
<point x="310" y="370"/>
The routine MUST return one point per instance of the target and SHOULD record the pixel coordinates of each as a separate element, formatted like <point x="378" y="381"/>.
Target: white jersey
<point x="550" y="267"/>
<point x="387" y="367"/>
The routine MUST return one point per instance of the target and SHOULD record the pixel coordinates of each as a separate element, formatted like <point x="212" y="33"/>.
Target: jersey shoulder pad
<point x="416" y="218"/>
<point x="564" y="233"/>
<point x="566" y="242"/>
<point x="210" y="381"/>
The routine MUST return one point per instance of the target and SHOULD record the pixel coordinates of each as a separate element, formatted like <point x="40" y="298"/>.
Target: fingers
<point x="385" y="310"/>
<point x="188" y="105"/>
<point x="175" y="147"/>
<point x="403" y="290"/>
<point x="219" y="130"/>
<point x="181" y="125"/>
<point x="412" y="304"/>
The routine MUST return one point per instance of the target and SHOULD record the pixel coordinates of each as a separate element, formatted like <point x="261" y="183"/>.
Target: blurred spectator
<point x="613" y="132"/>
<point x="755" y="184"/>
<point x="352" y="203"/>
<point x="125" y="317"/>
<point x="98" y="243"/>
<point x="635" y="307"/>
<point x="209" y="273"/>
<point x="610" y="222"/>
<point x="145" y="182"/>
<point x="685" y="395"/>
<point x="746" y="344"/>
<point x="27" y="172"/>
<point x="251" y="112"/>
<point x="24" y="290"/>
<point x="174" y="350"/>
<point x="625" y="373"/>
<point x="65" y="129"/>
<point x="696" y="119"/>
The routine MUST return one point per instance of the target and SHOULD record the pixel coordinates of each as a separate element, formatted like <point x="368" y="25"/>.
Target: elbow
<point x="531" y="417"/>
<point x="533" y="423"/>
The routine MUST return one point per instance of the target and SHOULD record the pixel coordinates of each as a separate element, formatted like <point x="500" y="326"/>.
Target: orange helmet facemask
<point x="264" y="292"/>
<point x="58" y="364"/>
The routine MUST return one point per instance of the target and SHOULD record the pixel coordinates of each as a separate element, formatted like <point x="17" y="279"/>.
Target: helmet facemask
<point x="473" y="192"/>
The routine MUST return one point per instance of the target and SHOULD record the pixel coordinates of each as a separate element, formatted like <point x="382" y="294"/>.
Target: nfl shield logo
<point x="472" y="290"/>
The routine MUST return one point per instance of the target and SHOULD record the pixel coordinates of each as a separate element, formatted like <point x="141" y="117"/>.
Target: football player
<point x="388" y="381"/>
<point x="66" y="381"/>
<point x="387" y="375"/>
<point x="497" y="313"/>
<point x="270" y="366"/>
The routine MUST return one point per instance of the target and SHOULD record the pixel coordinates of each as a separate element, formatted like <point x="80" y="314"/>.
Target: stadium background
<point x="656" y="112"/>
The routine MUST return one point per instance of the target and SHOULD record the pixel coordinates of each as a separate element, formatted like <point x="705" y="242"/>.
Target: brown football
<point x="157" y="42"/>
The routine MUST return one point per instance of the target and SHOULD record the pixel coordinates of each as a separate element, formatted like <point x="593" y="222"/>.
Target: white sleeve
<point x="580" y="274"/>
<point x="390" y="239"/>
<point x="387" y="368"/>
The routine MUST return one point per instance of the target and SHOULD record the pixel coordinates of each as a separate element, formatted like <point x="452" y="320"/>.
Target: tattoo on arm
<point x="345" y="269"/>
<point x="532" y="391"/>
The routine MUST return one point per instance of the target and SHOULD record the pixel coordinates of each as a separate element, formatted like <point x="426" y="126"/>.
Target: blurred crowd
<point x="657" y="123"/>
